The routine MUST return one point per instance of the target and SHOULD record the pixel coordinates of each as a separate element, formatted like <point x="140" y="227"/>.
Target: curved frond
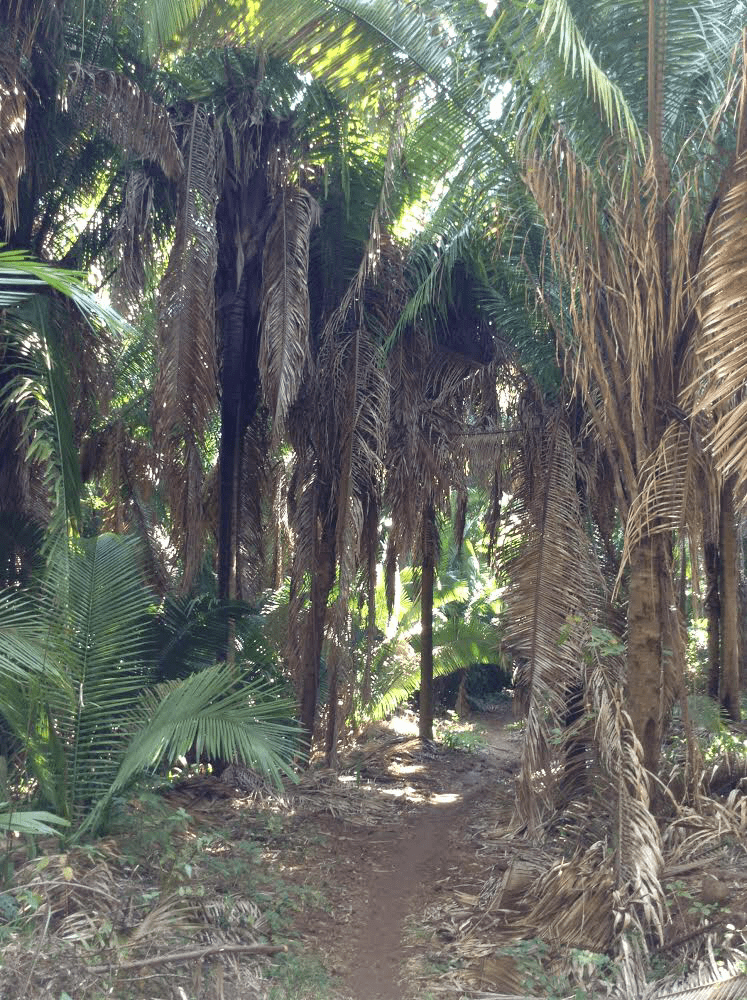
<point x="671" y="491"/>
<point x="557" y="26"/>
<point x="722" y="339"/>
<point x="134" y="122"/>
<point x="223" y="714"/>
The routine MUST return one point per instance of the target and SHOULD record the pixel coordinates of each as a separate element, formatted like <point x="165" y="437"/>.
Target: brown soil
<point x="381" y="881"/>
<point x="349" y="871"/>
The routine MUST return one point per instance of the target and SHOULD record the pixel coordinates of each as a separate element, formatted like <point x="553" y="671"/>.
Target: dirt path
<point x="390" y="875"/>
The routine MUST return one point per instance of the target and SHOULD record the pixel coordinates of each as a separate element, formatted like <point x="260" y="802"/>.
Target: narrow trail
<point x="396" y="871"/>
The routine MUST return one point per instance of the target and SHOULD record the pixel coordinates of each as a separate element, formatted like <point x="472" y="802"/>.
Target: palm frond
<point x="38" y="390"/>
<point x="721" y="350"/>
<point x="185" y="394"/>
<point x="284" y="341"/>
<point x="553" y="586"/>
<point x="219" y="711"/>
<point x="727" y="987"/>
<point x="22" y="276"/>
<point x="34" y="822"/>
<point x="557" y="26"/>
<point x="23" y="650"/>
<point x="671" y="494"/>
<point x="12" y="135"/>
<point x="638" y="860"/>
<point x="165" y="20"/>
<point x="134" y="122"/>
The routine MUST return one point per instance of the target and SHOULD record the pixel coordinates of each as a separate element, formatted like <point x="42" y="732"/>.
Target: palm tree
<point x="583" y="102"/>
<point x="84" y="709"/>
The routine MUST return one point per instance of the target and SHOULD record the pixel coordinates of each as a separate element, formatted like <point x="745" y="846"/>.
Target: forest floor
<point x="349" y="875"/>
<point x="392" y="877"/>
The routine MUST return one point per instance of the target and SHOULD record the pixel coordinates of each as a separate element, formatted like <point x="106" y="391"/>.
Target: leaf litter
<point x="492" y="913"/>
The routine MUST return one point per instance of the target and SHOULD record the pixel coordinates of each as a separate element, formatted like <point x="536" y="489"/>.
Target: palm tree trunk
<point x="332" y="719"/>
<point x="645" y="666"/>
<point x="323" y="576"/>
<point x="729" y="581"/>
<point x="713" y="616"/>
<point x="426" y="629"/>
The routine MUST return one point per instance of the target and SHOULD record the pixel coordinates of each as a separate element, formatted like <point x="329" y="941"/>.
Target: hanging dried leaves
<point x="185" y="394"/>
<point x="12" y="138"/>
<point x="284" y="344"/>
<point x="134" y="122"/>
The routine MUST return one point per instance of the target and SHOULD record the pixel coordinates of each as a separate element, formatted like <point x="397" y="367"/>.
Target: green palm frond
<point x="103" y="646"/>
<point x="21" y="276"/>
<point x="35" y="822"/>
<point x="23" y="651"/>
<point x="165" y="20"/>
<point x="219" y="711"/>
<point x="38" y="391"/>
<point x="77" y="667"/>
<point x="557" y="28"/>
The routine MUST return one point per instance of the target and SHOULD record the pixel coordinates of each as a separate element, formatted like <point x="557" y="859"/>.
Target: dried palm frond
<point x="12" y="137"/>
<point x="553" y="584"/>
<point x="426" y="449"/>
<point x="254" y="481"/>
<point x="133" y="120"/>
<point x="132" y="241"/>
<point x="677" y="488"/>
<point x="638" y="857"/>
<point x="723" y="331"/>
<point x="706" y="986"/>
<point x="185" y="393"/>
<point x="284" y="344"/>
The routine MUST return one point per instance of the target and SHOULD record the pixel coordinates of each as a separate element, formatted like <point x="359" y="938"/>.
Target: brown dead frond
<point x="185" y="393"/>
<point x="284" y="343"/>
<point x="553" y="587"/>
<point x="134" y="122"/>
<point x="721" y="350"/>
<point x="12" y="136"/>
<point x="677" y="489"/>
<point x="132" y="240"/>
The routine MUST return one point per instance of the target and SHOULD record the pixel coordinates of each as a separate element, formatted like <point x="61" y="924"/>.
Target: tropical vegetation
<point x="347" y="343"/>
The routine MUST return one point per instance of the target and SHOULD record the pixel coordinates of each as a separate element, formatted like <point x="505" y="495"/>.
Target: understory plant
<point x="78" y="695"/>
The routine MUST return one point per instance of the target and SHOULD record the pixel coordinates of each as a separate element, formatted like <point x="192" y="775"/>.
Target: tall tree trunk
<point x="332" y="715"/>
<point x="729" y="586"/>
<point x="426" y="628"/>
<point x="645" y="695"/>
<point x="683" y="578"/>
<point x="323" y="576"/>
<point x="712" y="607"/>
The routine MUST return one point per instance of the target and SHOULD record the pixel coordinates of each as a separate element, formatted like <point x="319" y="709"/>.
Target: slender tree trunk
<point x="742" y="631"/>
<point x="426" y="630"/>
<point x="332" y="710"/>
<point x="729" y="586"/>
<point x="322" y="579"/>
<point x="645" y="693"/>
<point x="683" y="578"/>
<point x="712" y="607"/>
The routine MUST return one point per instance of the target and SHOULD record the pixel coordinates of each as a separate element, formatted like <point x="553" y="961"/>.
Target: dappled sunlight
<point x="404" y="725"/>
<point x="396" y="768"/>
